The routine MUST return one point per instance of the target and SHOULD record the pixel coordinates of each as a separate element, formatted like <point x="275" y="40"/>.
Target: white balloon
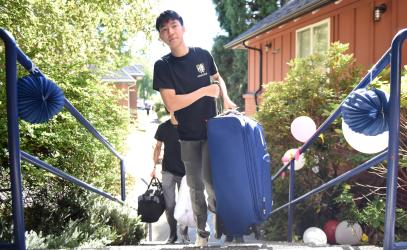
<point x="315" y="236"/>
<point x="364" y="143"/>
<point x="290" y="154"/>
<point x="302" y="128"/>
<point x="348" y="234"/>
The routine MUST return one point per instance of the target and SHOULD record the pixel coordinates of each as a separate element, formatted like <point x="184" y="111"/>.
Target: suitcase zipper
<point x="260" y="200"/>
<point x="252" y="168"/>
<point x="264" y="176"/>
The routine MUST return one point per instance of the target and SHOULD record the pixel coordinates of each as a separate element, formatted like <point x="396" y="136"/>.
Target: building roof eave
<point x="237" y="42"/>
<point x="127" y="75"/>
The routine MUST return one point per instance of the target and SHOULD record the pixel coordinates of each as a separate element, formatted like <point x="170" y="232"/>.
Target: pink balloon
<point x="302" y="128"/>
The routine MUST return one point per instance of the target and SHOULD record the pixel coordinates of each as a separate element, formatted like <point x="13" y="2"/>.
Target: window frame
<point x="311" y="28"/>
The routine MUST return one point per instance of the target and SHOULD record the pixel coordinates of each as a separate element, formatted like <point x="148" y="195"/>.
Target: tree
<point x="235" y="17"/>
<point x="74" y="43"/>
<point x="145" y="86"/>
<point x="233" y="67"/>
<point x="145" y="89"/>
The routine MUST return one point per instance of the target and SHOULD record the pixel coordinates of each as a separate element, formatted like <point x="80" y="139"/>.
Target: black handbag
<point x="151" y="204"/>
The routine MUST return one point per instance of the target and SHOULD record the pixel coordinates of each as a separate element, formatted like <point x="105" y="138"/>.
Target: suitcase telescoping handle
<point x="220" y="111"/>
<point x="155" y="182"/>
<point x="218" y="101"/>
<point x="231" y="111"/>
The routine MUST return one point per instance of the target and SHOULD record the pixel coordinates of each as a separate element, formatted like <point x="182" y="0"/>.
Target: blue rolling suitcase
<point x="240" y="168"/>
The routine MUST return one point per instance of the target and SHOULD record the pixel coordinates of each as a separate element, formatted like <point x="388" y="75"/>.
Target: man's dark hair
<point x="166" y="16"/>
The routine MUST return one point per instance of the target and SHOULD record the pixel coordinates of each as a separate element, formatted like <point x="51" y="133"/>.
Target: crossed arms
<point x="175" y="102"/>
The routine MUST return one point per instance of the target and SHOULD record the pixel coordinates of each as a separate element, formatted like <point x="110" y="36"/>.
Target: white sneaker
<point x="200" y="241"/>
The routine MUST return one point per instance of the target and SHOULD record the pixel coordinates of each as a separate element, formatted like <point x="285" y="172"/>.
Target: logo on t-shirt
<point x="201" y="70"/>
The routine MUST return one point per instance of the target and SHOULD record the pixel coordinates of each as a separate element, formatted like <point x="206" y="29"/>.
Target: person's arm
<point x="174" y="102"/>
<point x="156" y="156"/>
<point x="227" y="103"/>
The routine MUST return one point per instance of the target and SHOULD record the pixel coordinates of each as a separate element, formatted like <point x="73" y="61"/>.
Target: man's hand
<point x="212" y="90"/>
<point x="153" y="174"/>
<point x="228" y="104"/>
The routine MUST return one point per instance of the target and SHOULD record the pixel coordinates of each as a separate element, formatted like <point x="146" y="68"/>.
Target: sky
<point x="200" y="22"/>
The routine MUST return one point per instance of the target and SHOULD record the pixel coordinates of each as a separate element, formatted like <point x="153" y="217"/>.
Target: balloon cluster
<point x="334" y="232"/>
<point x="302" y="128"/>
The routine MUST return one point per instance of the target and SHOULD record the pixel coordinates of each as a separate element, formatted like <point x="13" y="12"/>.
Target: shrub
<point x="370" y="214"/>
<point x="101" y="222"/>
<point x="314" y="87"/>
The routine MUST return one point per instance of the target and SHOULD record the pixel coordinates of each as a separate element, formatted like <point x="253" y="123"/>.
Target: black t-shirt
<point x="186" y="74"/>
<point x="168" y="135"/>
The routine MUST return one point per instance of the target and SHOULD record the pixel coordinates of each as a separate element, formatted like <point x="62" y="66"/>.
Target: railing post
<point x="291" y="196"/>
<point x="123" y="179"/>
<point x="14" y="141"/>
<point x="150" y="232"/>
<point x="394" y="132"/>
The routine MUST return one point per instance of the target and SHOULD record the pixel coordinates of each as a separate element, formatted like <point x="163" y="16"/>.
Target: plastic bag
<point x="183" y="208"/>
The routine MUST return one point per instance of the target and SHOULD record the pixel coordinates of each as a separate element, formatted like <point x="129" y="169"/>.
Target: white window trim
<point x="327" y="20"/>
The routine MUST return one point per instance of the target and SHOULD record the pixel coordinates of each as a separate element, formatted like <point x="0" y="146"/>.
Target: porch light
<point x="378" y="11"/>
<point x="268" y="46"/>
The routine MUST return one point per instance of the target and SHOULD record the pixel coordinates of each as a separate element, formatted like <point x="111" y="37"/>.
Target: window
<point x="312" y="39"/>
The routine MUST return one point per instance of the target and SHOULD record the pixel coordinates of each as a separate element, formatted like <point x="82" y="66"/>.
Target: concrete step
<point x="244" y="246"/>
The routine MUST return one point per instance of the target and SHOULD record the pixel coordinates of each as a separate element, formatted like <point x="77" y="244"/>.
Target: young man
<point x="184" y="78"/>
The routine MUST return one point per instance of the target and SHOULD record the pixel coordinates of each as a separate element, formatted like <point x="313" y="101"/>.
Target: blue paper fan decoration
<point x="39" y="99"/>
<point x="366" y="111"/>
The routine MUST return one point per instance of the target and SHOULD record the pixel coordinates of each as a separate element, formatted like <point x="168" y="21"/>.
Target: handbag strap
<point x="155" y="182"/>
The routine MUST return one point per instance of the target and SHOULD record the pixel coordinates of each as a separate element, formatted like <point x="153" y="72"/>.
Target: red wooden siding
<point x="133" y="99"/>
<point x="287" y="55"/>
<point x="351" y="21"/>
<point x="363" y="50"/>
